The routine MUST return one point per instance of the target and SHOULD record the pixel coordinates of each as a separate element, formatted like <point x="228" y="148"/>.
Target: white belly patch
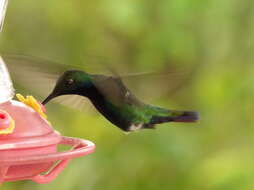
<point x="135" y="127"/>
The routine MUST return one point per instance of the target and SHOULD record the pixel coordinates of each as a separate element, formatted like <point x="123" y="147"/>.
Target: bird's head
<point x="70" y="82"/>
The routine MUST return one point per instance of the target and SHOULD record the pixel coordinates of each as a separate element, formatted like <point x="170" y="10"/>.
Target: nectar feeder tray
<point x="31" y="149"/>
<point x="28" y="142"/>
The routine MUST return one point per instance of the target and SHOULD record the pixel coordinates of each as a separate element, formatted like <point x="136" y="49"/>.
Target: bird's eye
<point x="70" y="81"/>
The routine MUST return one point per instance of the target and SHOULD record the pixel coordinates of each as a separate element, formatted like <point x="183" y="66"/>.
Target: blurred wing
<point x="6" y="88"/>
<point x="35" y="76"/>
<point x="38" y="77"/>
<point x="75" y="102"/>
<point x="151" y="85"/>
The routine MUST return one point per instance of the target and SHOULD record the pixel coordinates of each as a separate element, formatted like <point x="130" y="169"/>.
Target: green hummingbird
<point x="116" y="102"/>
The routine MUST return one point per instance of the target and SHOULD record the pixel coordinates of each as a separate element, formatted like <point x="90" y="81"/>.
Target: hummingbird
<point x="115" y="101"/>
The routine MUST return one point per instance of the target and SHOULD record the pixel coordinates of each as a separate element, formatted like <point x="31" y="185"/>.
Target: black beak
<point x="50" y="97"/>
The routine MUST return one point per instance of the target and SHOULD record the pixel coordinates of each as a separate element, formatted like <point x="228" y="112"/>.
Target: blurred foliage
<point x="214" y="37"/>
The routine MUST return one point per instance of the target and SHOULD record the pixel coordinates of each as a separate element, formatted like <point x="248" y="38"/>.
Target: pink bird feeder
<point x="28" y="143"/>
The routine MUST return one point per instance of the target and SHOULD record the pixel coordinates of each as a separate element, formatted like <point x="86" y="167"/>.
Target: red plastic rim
<point x="80" y="147"/>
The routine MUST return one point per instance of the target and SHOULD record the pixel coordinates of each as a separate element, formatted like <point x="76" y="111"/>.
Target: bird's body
<point x="115" y="101"/>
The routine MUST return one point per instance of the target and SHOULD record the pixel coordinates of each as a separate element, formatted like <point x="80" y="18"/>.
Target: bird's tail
<point x="176" y="116"/>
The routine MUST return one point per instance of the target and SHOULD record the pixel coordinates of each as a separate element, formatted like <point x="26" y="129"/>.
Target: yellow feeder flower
<point x="33" y="103"/>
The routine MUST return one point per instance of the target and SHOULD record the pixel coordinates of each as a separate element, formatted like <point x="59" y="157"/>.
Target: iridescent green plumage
<point x="113" y="100"/>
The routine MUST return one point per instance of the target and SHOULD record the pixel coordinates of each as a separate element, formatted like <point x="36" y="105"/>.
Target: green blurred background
<point x="212" y="38"/>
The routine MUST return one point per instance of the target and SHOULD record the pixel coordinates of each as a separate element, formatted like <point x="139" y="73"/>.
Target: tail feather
<point x="176" y="116"/>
